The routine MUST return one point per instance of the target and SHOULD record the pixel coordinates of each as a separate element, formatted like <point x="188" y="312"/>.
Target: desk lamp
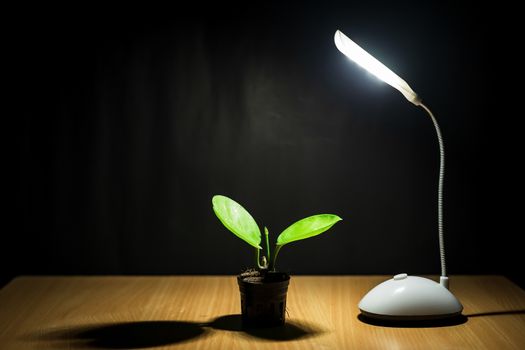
<point x="406" y="297"/>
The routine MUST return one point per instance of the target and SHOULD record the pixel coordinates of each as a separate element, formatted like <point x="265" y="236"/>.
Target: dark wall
<point x="128" y="121"/>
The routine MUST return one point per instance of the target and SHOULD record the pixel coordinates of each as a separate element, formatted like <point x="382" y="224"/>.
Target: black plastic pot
<point x="263" y="304"/>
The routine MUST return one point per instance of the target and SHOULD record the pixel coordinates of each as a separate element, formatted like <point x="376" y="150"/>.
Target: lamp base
<point x="410" y="298"/>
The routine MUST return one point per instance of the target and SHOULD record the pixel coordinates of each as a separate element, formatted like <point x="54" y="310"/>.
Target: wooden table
<point x="202" y="312"/>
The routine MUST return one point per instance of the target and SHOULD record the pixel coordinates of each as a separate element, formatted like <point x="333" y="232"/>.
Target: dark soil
<point x="263" y="276"/>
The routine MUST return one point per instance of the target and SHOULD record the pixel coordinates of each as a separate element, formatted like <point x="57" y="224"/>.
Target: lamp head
<point x="373" y="66"/>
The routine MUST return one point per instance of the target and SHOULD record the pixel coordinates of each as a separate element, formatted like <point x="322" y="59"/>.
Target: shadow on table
<point x="127" y="335"/>
<point x="454" y="321"/>
<point x="145" y="334"/>
<point x="497" y="313"/>
<point x="448" y="322"/>
<point x="291" y="330"/>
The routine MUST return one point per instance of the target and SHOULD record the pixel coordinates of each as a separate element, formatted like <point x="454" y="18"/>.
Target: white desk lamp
<point x="406" y="297"/>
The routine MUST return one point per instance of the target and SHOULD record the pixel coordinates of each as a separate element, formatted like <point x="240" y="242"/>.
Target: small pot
<point x="263" y="303"/>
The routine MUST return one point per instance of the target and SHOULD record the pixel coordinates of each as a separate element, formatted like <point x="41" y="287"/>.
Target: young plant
<point x="236" y="219"/>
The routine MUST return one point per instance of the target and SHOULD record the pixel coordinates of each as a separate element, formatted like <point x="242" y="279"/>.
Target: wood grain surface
<point x="202" y="312"/>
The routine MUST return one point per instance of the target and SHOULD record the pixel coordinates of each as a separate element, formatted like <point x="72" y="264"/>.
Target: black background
<point x="127" y="120"/>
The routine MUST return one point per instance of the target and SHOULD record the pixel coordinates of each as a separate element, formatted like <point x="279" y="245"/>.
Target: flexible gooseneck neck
<point x="443" y="279"/>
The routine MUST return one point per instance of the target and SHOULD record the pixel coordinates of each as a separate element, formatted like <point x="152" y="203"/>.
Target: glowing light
<point x="372" y="65"/>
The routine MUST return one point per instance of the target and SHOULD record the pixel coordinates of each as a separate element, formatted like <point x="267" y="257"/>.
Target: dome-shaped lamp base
<point x="410" y="298"/>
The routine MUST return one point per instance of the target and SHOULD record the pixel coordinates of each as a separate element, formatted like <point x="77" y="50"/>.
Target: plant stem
<point x="258" y="263"/>
<point x="272" y="261"/>
<point x="266" y="234"/>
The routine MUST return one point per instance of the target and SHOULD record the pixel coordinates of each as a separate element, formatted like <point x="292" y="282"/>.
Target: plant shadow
<point x="127" y="335"/>
<point x="291" y="330"/>
<point x="146" y="334"/>
<point x="446" y="322"/>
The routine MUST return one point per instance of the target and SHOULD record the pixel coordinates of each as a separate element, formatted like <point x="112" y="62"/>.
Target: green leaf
<point x="307" y="227"/>
<point x="237" y="220"/>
